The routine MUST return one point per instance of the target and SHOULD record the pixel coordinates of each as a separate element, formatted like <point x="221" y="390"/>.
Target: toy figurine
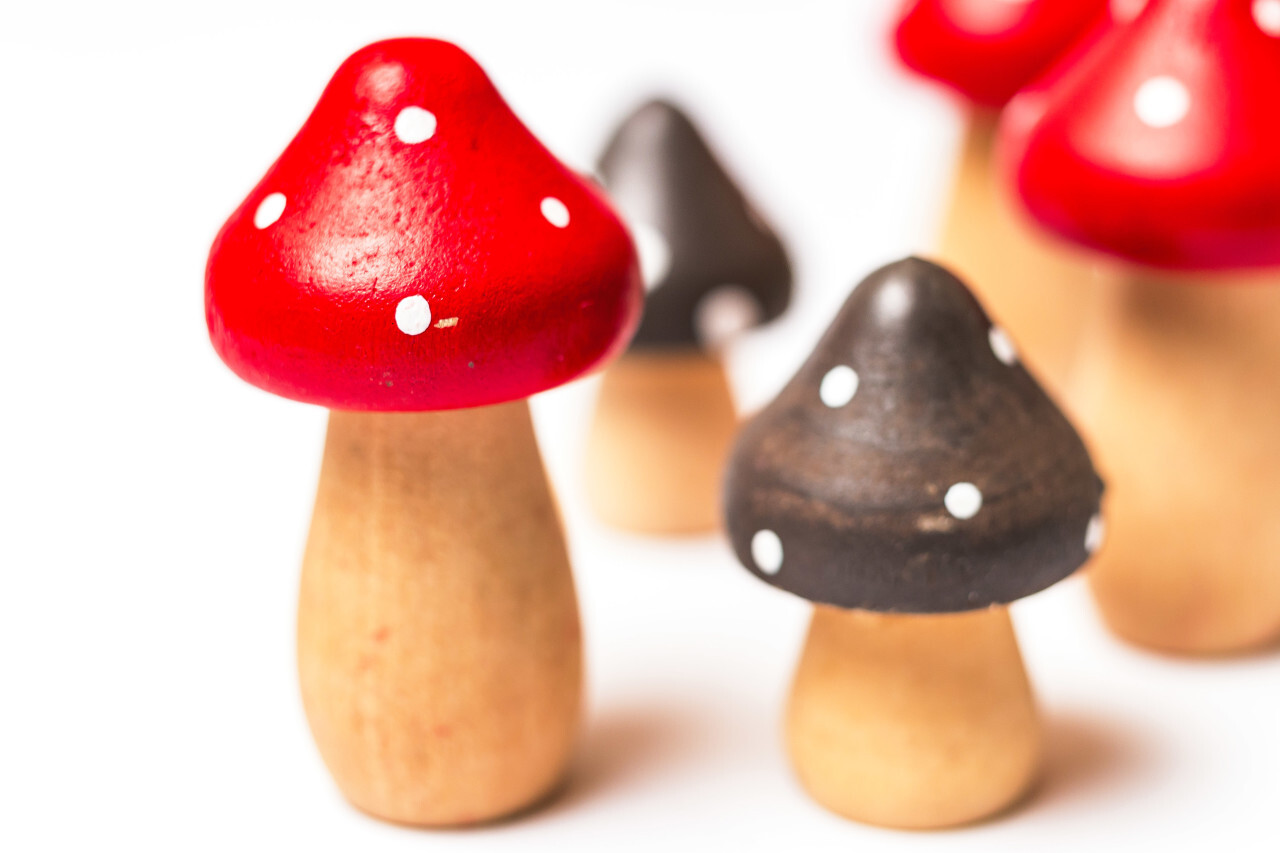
<point x="665" y="415"/>
<point x="912" y="480"/>
<point x="417" y="262"/>
<point x="1157" y="146"/>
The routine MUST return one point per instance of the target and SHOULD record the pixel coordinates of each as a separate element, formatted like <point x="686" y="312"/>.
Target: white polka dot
<point x="893" y="302"/>
<point x="724" y="312"/>
<point x="413" y="315"/>
<point x="555" y="211"/>
<point x="766" y="551"/>
<point x="269" y="210"/>
<point x="1002" y="345"/>
<point x="1095" y="534"/>
<point x="1266" y="13"/>
<point x="963" y="500"/>
<point x="414" y="125"/>
<point x="838" y="386"/>
<point x="654" y="252"/>
<point x="1162" y="102"/>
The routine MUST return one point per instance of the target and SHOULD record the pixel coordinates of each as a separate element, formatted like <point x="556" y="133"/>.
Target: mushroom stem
<point x="1038" y="290"/>
<point x="663" y="425"/>
<point x="913" y="721"/>
<point x="439" y="645"/>
<point x="1179" y="392"/>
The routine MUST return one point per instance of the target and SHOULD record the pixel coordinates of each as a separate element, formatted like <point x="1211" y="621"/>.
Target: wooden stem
<point x="1038" y="290"/>
<point x="1180" y="391"/>
<point x="438" y="638"/>
<point x="915" y="722"/>
<point x="663" y="426"/>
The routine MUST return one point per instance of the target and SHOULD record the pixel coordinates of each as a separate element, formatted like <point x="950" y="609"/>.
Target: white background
<point x="154" y="507"/>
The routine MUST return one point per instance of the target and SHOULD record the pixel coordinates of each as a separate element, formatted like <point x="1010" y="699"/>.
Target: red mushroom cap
<point x="416" y="248"/>
<point x="1159" y="144"/>
<point x="989" y="49"/>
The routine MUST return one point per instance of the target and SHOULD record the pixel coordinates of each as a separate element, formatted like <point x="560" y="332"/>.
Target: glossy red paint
<point x="437" y="258"/>
<point x="989" y="49"/>
<point x="1159" y="144"/>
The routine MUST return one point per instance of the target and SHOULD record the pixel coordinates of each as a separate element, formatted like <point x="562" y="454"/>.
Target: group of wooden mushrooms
<point x="418" y="263"/>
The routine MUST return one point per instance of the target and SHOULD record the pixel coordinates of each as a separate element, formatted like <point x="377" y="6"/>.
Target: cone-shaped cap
<point x="1159" y="143"/>
<point x="912" y="465"/>
<point x="703" y="248"/>
<point x="416" y="248"/>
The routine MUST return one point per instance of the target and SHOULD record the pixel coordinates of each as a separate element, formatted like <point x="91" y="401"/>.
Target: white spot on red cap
<point x="413" y="315"/>
<point x="838" y="386"/>
<point x="1095" y="534"/>
<point x="766" y="551"/>
<point x="963" y="500"/>
<point x="270" y="209"/>
<point x="1002" y="345"/>
<point x="555" y="211"/>
<point x="1162" y="101"/>
<point x="723" y="313"/>
<point x="654" y="252"/>
<point x="1266" y="14"/>
<point x="414" y="125"/>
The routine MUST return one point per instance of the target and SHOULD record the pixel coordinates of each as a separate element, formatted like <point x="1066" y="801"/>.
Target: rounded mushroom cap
<point x="989" y="49"/>
<point x="416" y="248"/>
<point x="1159" y="143"/>
<point x="707" y="255"/>
<point x="912" y="465"/>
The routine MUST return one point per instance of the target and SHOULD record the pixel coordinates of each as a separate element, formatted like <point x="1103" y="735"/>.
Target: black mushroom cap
<point x="912" y="465"/>
<point x="698" y="235"/>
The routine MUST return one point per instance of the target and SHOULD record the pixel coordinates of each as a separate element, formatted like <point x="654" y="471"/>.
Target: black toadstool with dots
<point x="712" y="268"/>
<point x="911" y="480"/>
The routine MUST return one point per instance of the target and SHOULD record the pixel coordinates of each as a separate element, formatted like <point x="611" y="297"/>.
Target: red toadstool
<point x="1158" y="146"/>
<point x="420" y="264"/>
<point x="985" y="51"/>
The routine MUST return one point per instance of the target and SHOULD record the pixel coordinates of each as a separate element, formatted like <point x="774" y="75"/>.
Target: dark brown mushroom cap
<point x="912" y="465"/>
<point x="696" y="231"/>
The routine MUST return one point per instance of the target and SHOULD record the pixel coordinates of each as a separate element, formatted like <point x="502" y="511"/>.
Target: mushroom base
<point x="439" y="645"/>
<point x="1179" y="393"/>
<point x="913" y="722"/>
<point x="663" y="425"/>
<point x="1039" y="291"/>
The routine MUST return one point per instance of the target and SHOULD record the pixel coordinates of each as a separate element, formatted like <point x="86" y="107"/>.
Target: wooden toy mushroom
<point x="665" y="416"/>
<point x="986" y="50"/>
<point x="417" y="262"/>
<point x="1159" y="147"/>
<point x="911" y="481"/>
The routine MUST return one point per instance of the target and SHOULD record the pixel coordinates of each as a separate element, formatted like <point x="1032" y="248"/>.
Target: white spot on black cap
<point x="766" y="551"/>
<point x="963" y="500"/>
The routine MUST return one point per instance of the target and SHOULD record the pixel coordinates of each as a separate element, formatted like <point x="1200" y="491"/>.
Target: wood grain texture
<point x="663" y="424"/>
<point x="1179" y="392"/>
<point x="438" y="638"/>
<point x="915" y="722"/>
<point x="1039" y="290"/>
<point x="858" y="488"/>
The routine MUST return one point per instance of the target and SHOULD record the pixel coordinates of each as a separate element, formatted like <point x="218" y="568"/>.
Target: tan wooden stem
<point x="1180" y="391"/>
<point x="915" y="722"/>
<point x="438" y="638"/>
<point x="663" y="425"/>
<point x="1038" y="290"/>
